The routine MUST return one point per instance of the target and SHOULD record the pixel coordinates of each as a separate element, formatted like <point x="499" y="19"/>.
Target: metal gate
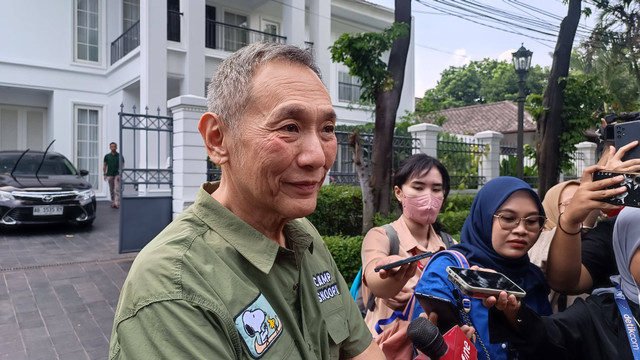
<point x="146" y="144"/>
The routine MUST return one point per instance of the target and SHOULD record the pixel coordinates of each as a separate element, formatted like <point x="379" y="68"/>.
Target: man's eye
<point x="329" y="129"/>
<point x="291" y="128"/>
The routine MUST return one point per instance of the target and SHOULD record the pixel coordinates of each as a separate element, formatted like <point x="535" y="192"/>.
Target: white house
<point x="66" y="66"/>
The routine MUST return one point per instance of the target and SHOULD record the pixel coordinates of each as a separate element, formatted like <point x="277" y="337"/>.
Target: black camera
<point x="608" y="133"/>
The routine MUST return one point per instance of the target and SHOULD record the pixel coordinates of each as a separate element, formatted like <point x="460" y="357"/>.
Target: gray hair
<point x="230" y="88"/>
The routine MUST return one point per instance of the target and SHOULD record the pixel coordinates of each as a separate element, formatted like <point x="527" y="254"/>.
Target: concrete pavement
<point x="59" y="287"/>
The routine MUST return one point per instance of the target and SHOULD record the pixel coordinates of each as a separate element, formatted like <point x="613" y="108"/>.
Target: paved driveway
<point x="59" y="288"/>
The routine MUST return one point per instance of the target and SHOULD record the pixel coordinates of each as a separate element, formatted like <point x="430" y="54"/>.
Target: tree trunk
<point x="387" y="103"/>
<point x="550" y="121"/>
<point x="363" y="176"/>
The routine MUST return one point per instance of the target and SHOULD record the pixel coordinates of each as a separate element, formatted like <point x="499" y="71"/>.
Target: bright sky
<point x="443" y="40"/>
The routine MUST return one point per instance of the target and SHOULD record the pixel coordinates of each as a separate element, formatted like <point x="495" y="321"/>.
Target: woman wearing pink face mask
<point x="421" y="184"/>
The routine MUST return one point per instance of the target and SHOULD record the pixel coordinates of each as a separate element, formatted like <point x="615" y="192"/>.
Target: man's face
<point x="113" y="147"/>
<point x="284" y="143"/>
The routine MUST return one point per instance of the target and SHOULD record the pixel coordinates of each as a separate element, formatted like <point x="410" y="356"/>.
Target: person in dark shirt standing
<point x="111" y="170"/>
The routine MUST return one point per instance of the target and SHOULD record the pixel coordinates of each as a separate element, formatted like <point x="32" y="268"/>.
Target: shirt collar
<point x="259" y="250"/>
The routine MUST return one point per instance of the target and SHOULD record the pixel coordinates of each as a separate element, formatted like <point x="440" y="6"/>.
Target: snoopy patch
<point x="259" y="326"/>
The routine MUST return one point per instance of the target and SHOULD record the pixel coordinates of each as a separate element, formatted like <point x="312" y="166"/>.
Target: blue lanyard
<point x="629" y="322"/>
<point x="397" y="315"/>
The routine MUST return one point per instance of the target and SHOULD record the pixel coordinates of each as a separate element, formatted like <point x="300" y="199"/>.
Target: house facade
<point x="67" y="66"/>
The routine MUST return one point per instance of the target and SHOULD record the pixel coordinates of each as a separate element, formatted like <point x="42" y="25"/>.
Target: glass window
<point x="130" y="13"/>
<point x="87" y="30"/>
<point x="87" y="143"/>
<point x="348" y="87"/>
<point x="235" y="36"/>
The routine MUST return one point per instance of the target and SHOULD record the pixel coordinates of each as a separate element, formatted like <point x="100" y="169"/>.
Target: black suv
<point x="43" y="188"/>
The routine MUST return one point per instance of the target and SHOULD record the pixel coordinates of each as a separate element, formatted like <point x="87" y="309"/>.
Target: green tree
<point x="382" y="84"/>
<point x="619" y="26"/>
<point x="584" y="100"/>
<point x="607" y="62"/>
<point x="479" y="82"/>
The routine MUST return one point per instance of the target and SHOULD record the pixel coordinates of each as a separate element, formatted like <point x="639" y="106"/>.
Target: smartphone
<point x="404" y="261"/>
<point x="631" y="181"/>
<point x="480" y="284"/>
<point x="447" y="311"/>
<point x="625" y="133"/>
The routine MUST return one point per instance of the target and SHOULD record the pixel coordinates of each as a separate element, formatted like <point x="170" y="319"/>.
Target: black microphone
<point x="454" y="345"/>
<point x="426" y="338"/>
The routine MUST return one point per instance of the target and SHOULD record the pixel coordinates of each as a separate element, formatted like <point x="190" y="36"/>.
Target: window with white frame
<point x="270" y="27"/>
<point x="349" y="89"/>
<point x="87" y="31"/>
<point x="88" y="142"/>
<point x="130" y="13"/>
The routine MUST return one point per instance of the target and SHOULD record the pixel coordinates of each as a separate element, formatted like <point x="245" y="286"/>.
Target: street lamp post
<point x="521" y="62"/>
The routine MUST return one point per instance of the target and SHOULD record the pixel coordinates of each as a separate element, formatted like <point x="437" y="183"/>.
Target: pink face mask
<point x="422" y="209"/>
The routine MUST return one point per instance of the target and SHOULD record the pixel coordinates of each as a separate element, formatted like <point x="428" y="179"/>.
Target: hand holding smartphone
<point x="481" y="284"/>
<point x="631" y="181"/>
<point x="403" y="261"/>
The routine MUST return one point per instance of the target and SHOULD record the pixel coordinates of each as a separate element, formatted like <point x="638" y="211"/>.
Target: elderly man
<point x="241" y="274"/>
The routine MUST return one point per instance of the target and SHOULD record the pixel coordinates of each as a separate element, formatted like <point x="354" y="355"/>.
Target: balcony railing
<point x="126" y="42"/>
<point x="173" y="25"/>
<point x="231" y="37"/>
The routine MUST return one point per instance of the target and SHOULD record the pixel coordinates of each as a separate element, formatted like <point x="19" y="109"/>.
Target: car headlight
<point x="6" y="196"/>
<point x="85" y="195"/>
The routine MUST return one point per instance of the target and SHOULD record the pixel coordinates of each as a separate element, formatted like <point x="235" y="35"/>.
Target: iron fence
<point x="462" y="158"/>
<point x="129" y="40"/>
<point x="230" y="38"/>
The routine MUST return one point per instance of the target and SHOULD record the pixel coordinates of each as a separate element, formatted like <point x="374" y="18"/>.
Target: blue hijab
<point x="476" y="245"/>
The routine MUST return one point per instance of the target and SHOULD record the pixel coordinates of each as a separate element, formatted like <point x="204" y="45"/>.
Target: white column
<point x="193" y="37"/>
<point x="153" y="67"/>
<point x="427" y="134"/>
<point x="189" y="152"/>
<point x="153" y="55"/>
<point x="320" y="36"/>
<point x="293" y="24"/>
<point x="490" y="167"/>
<point x="589" y="151"/>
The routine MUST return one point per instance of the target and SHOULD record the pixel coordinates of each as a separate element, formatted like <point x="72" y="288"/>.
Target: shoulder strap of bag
<point x="447" y="239"/>
<point x="394" y="247"/>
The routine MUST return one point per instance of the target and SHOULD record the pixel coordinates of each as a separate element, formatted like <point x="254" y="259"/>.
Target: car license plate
<point x="48" y="210"/>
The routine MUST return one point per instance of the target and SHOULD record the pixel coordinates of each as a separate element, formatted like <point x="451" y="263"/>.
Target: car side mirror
<point x="84" y="172"/>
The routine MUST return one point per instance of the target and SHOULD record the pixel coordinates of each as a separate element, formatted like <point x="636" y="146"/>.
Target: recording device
<point x="631" y="181"/>
<point x="453" y="345"/>
<point x="404" y="261"/>
<point x="447" y="311"/>
<point x="481" y="284"/>
<point x="608" y="133"/>
<point x="625" y="133"/>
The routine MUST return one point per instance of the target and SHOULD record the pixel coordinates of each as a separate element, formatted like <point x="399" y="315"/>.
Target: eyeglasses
<point x="510" y="222"/>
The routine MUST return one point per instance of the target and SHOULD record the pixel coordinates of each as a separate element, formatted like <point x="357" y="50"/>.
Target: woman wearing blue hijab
<point x="604" y="326"/>
<point x="505" y="220"/>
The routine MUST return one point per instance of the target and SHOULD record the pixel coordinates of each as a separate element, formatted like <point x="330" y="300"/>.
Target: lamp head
<point x="522" y="60"/>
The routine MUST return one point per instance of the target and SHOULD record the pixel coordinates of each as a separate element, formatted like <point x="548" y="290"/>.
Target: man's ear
<point x="213" y="132"/>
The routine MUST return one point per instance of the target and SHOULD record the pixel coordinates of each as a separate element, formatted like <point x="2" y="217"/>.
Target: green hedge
<point x="339" y="210"/>
<point x="346" y="252"/>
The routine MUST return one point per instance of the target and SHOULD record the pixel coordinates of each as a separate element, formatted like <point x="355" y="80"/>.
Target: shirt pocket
<point x="338" y="329"/>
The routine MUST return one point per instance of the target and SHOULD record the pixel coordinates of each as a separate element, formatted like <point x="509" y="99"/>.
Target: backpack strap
<point x="447" y="239"/>
<point x="394" y="247"/>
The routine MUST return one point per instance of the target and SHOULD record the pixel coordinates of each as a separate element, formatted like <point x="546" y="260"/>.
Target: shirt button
<point x="295" y="286"/>
<point x="504" y="345"/>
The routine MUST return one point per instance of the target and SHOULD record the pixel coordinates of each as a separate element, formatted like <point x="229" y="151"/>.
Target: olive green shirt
<point x="210" y="286"/>
<point x="113" y="165"/>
